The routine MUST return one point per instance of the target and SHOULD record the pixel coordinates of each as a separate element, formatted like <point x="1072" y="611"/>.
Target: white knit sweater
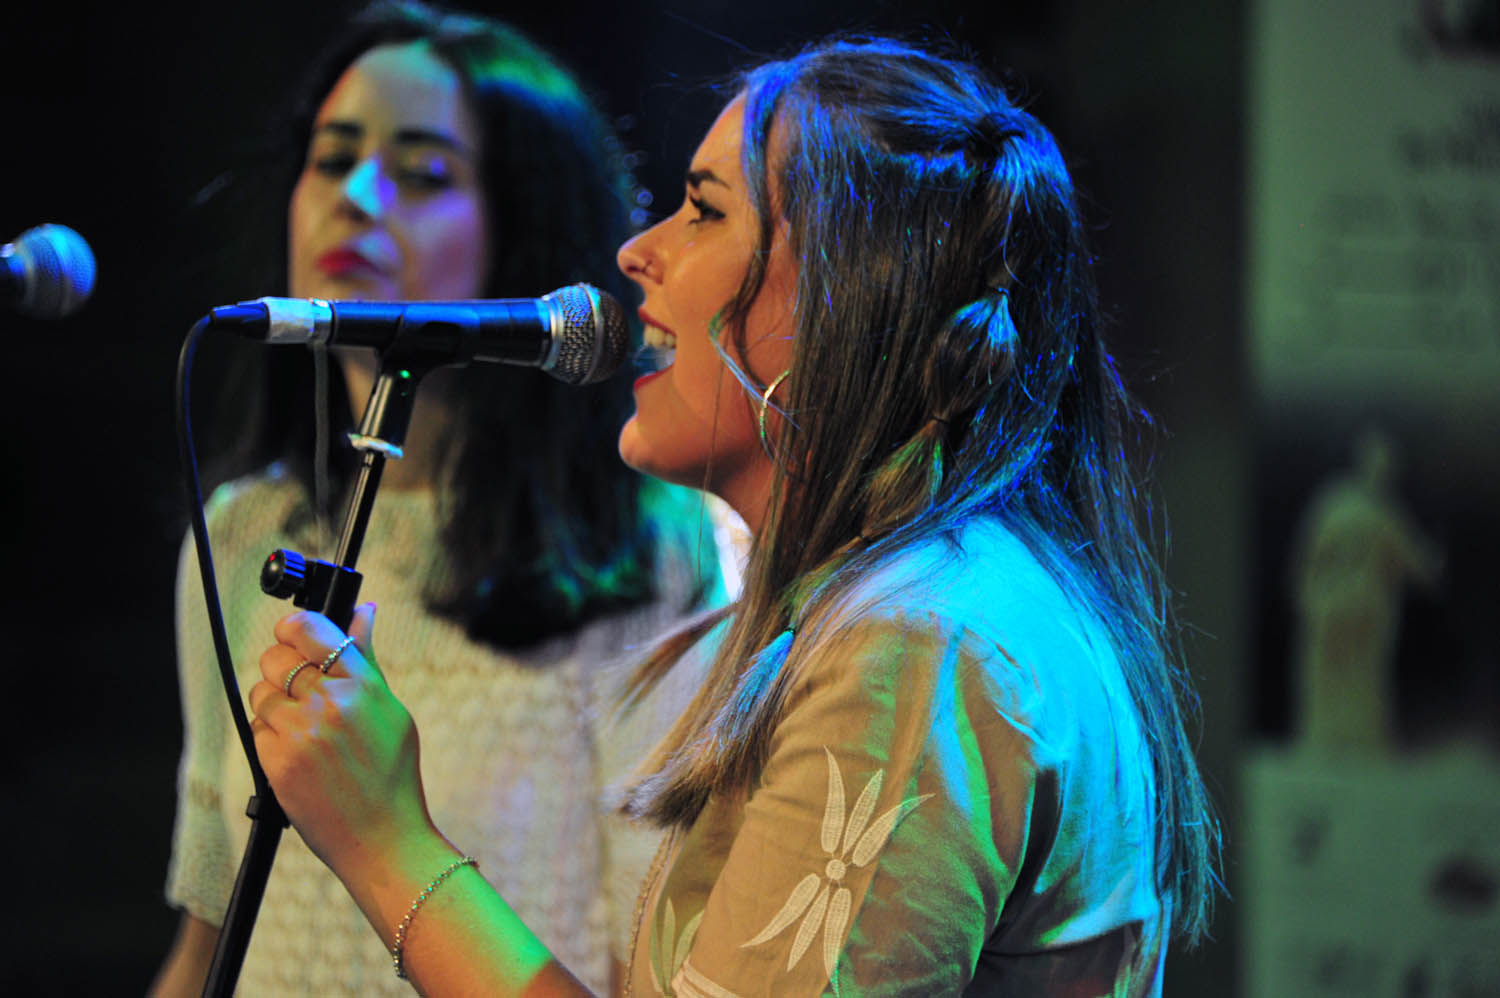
<point x="515" y="748"/>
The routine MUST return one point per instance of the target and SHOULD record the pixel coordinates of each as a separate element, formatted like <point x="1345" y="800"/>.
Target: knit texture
<point x="515" y="747"/>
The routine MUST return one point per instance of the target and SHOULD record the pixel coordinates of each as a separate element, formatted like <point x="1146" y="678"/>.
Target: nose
<point x="367" y="190"/>
<point x="637" y="257"/>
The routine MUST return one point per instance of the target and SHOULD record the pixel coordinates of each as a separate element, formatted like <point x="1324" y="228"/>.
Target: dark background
<point x="117" y="117"/>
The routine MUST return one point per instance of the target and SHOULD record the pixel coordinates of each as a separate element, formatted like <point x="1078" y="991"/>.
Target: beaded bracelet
<point x="398" y="957"/>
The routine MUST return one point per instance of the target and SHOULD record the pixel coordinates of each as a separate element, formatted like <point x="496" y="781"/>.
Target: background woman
<point x="446" y="156"/>
<point x="940" y="749"/>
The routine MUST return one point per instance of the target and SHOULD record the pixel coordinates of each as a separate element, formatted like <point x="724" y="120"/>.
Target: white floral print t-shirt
<point x="957" y="801"/>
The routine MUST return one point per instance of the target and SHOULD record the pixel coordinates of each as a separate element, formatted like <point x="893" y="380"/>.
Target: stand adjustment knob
<point x="284" y="574"/>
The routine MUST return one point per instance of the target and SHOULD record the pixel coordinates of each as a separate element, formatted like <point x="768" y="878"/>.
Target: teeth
<point x="659" y="349"/>
<point x="659" y="339"/>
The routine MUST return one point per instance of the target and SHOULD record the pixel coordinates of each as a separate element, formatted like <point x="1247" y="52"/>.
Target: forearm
<point x="186" y="967"/>
<point x="343" y="756"/>
<point x="463" y="939"/>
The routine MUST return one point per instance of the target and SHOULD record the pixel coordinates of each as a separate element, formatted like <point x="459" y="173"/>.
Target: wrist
<point x="384" y="879"/>
<point x="398" y="945"/>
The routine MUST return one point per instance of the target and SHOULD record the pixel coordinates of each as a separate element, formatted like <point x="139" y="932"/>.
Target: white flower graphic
<point x="670" y="950"/>
<point x="827" y="904"/>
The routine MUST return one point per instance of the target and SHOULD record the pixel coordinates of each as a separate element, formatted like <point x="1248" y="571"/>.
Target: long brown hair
<point x="946" y="304"/>
<point x="543" y="529"/>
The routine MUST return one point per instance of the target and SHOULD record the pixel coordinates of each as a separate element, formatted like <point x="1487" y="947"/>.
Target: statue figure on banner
<point x="1356" y="554"/>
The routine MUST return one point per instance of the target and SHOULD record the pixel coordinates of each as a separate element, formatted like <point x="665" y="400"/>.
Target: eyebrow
<point x="403" y="136"/>
<point x="697" y="178"/>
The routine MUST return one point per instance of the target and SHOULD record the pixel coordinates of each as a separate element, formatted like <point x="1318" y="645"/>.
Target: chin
<point x="638" y="453"/>
<point x="630" y="444"/>
<point x="633" y="448"/>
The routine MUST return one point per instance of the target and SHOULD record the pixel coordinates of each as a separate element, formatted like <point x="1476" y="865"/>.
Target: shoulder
<point x="981" y="579"/>
<point x="267" y="492"/>
<point x="248" y="510"/>
<point x="975" y="615"/>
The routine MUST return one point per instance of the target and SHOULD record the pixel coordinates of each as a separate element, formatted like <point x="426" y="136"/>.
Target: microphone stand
<point x="333" y="589"/>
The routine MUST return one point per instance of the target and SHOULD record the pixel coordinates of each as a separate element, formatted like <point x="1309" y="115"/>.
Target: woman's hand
<point x="341" y="753"/>
<point x="339" y="749"/>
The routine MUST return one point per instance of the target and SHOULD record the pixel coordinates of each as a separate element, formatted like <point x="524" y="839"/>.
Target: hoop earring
<point x="765" y="401"/>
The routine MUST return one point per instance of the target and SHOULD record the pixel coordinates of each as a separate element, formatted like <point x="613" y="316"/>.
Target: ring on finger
<point x="286" y="684"/>
<point x="333" y="656"/>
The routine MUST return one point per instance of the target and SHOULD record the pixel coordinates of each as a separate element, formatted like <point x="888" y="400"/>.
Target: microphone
<point x="576" y="334"/>
<point x="47" y="273"/>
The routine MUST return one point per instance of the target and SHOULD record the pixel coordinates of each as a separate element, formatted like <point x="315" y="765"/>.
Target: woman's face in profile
<point x="388" y="204"/>
<point x="694" y="423"/>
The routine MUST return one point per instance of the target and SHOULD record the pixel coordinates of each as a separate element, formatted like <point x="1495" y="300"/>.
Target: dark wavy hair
<point x="543" y="527"/>
<point x="946" y="303"/>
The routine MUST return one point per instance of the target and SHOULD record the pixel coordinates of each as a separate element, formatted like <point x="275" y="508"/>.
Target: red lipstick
<point x="343" y="261"/>
<point x="650" y="376"/>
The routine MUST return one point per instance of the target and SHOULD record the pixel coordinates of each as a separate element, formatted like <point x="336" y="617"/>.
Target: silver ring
<point x="286" y="685"/>
<point x="333" y="656"/>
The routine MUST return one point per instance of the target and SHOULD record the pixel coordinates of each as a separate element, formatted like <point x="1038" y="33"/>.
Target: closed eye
<point x="425" y="179"/>
<point x="333" y="165"/>
<point x="706" y="212"/>
<point x="420" y="179"/>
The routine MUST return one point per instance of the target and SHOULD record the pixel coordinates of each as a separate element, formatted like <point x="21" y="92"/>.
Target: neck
<point x="748" y="493"/>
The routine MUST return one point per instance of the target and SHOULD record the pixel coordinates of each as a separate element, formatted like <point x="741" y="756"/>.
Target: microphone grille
<point x="59" y="271"/>
<point x="591" y="334"/>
